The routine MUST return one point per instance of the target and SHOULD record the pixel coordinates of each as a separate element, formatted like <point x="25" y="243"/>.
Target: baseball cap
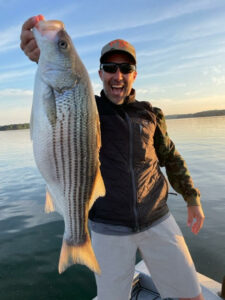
<point x="118" y="46"/>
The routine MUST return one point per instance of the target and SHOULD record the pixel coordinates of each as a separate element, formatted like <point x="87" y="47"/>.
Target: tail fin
<point x="82" y="254"/>
<point x="49" y="206"/>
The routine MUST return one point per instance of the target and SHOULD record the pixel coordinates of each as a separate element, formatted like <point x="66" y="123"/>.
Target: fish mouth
<point x="49" y="28"/>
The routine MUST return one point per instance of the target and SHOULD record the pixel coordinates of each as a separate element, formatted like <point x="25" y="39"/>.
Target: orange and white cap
<point x="118" y="46"/>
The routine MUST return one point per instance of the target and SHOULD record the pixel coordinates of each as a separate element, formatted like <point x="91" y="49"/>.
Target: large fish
<point x="66" y="140"/>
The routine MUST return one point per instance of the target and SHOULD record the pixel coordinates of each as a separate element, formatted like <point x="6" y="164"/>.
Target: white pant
<point x="165" y="254"/>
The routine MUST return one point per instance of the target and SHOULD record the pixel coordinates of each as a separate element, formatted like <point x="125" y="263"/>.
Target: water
<point x="31" y="240"/>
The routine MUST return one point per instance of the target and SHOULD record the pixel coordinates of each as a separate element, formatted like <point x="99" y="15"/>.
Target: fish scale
<point x="66" y="140"/>
<point x="75" y="209"/>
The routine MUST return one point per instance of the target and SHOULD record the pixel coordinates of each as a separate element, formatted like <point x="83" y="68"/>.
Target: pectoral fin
<point x="50" y="105"/>
<point x="31" y="123"/>
<point x="98" y="135"/>
<point x="98" y="189"/>
<point x="49" y="205"/>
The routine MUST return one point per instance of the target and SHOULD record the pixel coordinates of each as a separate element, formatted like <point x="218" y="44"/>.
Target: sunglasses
<point x="125" y="68"/>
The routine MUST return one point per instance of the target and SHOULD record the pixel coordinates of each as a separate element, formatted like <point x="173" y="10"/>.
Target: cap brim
<point x="104" y="57"/>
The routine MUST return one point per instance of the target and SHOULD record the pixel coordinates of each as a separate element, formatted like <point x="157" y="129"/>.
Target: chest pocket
<point x="144" y="131"/>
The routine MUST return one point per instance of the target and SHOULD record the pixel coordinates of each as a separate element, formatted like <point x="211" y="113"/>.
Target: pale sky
<point x="180" y="48"/>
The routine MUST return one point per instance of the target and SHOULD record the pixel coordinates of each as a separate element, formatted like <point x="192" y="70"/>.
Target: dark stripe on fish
<point x="76" y="175"/>
<point x="84" y="169"/>
<point x="54" y="152"/>
<point x="69" y="170"/>
<point x="62" y="153"/>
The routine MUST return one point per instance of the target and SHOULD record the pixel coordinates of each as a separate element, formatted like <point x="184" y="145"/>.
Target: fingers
<point x="197" y="225"/>
<point x="29" y="24"/>
<point x="28" y="43"/>
<point x="34" y="55"/>
<point x="29" y="46"/>
<point x="189" y="220"/>
<point x="31" y="49"/>
<point x="196" y="218"/>
<point x="26" y="33"/>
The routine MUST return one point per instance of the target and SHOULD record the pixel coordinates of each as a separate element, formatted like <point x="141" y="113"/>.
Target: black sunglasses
<point x="125" y="68"/>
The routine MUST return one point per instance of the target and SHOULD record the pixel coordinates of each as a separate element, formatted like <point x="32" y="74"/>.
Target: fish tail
<point x="49" y="206"/>
<point x="82" y="254"/>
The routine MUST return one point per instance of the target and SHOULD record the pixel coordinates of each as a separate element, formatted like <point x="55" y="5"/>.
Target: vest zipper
<point x="131" y="166"/>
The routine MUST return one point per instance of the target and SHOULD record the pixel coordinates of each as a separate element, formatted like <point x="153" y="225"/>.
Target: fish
<point x="66" y="138"/>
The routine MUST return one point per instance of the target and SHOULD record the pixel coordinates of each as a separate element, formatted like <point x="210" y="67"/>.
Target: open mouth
<point x="117" y="89"/>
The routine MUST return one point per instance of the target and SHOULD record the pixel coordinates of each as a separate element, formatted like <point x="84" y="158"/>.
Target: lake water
<point x="30" y="240"/>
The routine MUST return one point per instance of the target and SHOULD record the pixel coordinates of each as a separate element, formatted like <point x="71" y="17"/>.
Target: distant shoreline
<point x="208" y="113"/>
<point x="15" y="127"/>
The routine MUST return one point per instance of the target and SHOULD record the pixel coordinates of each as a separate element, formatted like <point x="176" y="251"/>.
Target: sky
<point x="180" y="47"/>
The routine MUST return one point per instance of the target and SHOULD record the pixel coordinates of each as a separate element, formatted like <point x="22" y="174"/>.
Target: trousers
<point x="164" y="252"/>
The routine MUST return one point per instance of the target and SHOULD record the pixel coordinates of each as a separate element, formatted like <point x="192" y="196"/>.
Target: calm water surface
<point x="31" y="240"/>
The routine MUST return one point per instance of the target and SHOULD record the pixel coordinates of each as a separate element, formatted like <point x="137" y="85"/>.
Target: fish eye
<point x="62" y="44"/>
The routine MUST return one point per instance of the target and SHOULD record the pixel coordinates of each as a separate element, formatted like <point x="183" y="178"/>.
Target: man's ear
<point x="134" y="75"/>
<point x="100" y="74"/>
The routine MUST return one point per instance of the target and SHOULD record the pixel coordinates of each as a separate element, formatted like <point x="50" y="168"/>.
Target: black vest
<point x="136" y="190"/>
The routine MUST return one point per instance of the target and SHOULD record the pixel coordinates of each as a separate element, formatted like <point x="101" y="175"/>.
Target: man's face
<point x="117" y="86"/>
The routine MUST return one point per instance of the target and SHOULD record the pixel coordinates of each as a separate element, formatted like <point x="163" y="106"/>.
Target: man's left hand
<point x="195" y="218"/>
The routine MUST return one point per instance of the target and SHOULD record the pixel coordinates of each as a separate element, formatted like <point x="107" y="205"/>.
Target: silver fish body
<point x="66" y="140"/>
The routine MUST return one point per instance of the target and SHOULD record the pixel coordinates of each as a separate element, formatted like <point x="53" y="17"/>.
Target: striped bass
<point x="66" y="138"/>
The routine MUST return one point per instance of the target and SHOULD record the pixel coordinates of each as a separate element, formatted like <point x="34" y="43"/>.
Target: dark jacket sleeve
<point x="176" y="168"/>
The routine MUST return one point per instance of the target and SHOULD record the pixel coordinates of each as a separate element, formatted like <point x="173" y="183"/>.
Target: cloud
<point x="15" y="115"/>
<point x="15" y="106"/>
<point x="144" y="92"/>
<point x="205" y="54"/>
<point x="16" y="92"/>
<point x="5" y="76"/>
<point x="11" y="99"/>
<point x="97" y="87"/>
<point x="10" y="38"/>
<point x="62" y="12"/>
<point x="8" y="47"/>
<point x="93" y="71"/>
<point x="176" y="69"/>
<point x="180" y="47"/>
<point x="146" y="15"/>
<point x="210" y="25"/>
<point x="159" y="91"/>
<point x="191" y="105"/>
<point x="216" y="74"/>
<point x="19" y="65"/>
<point x="219" y="80"/>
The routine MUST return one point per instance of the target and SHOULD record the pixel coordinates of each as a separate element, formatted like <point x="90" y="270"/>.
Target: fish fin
<point x="49" y="206"/>
<point x="99" y="142"/>
<point x="98" y="189"/>
<point x="50" y="105"/>
<point x="31" y="123"/>
<point x="82" y="254"/>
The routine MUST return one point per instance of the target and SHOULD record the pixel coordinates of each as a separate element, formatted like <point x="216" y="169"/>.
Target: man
<point x="134" y="214"/>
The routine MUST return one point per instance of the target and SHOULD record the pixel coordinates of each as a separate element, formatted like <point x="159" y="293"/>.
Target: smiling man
<point x="117" y="71"/>
<point x="134" y="213"/>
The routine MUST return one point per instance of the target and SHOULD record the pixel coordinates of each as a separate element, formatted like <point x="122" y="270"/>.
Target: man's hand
<point x="195" y="218"/>
<point x="28" y="43"/>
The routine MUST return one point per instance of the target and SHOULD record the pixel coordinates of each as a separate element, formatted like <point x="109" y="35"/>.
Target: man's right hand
<point x="28" y="43"/>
